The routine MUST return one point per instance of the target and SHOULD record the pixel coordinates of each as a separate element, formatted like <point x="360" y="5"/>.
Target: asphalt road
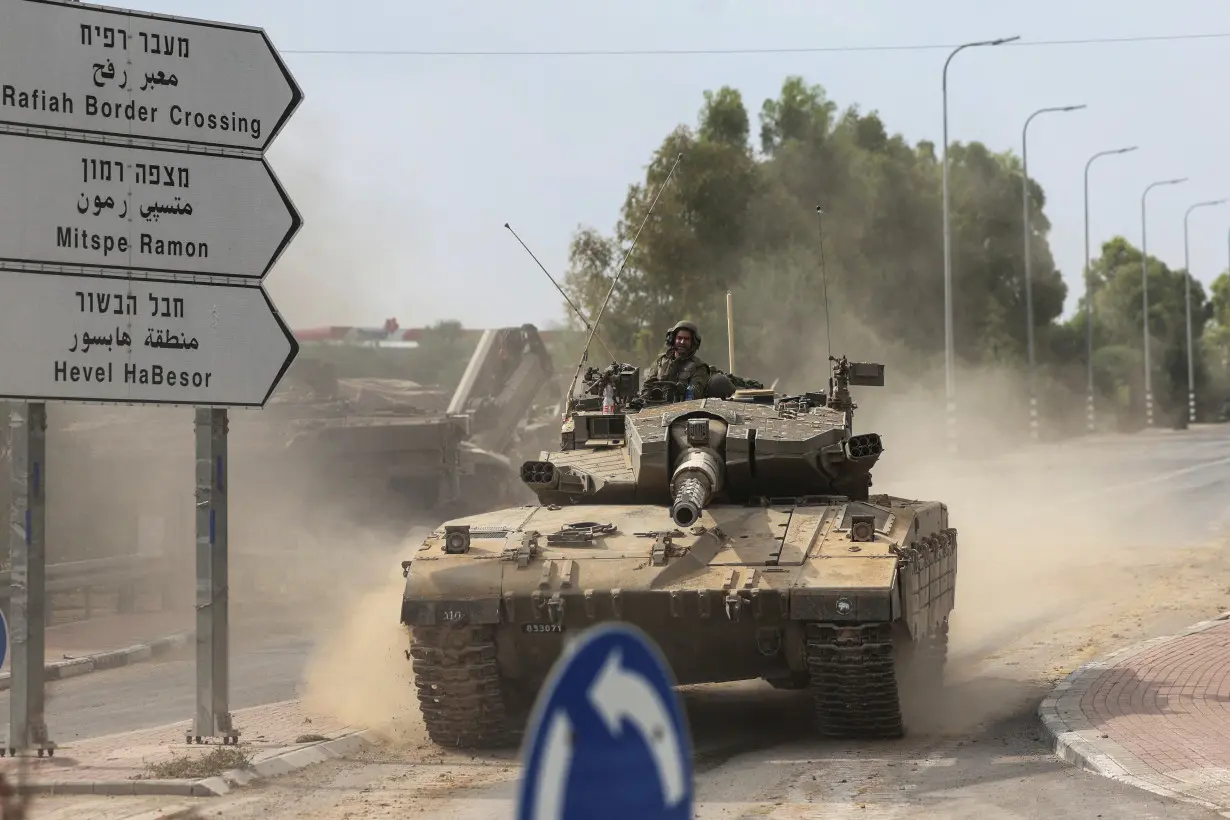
<point x="263" y="670"/>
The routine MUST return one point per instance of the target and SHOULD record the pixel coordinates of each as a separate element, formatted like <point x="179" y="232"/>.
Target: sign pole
<point x="28" y="560"/>
<point x="213" y="715"/>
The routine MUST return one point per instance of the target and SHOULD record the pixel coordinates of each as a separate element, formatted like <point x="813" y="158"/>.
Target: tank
<point x="738" y="530"/>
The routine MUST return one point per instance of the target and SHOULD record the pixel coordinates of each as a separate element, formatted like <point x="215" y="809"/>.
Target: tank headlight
<point x="457" y="539"/>
<point x="862" y="528"/>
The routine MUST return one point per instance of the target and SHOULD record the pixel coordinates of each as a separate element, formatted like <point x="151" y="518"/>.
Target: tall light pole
<point x="1144" y="276"/>
<point x="950" y="384"/>
<point x="1089" y="291"/>
<point x="1029" y="288"/>
<point x="1187" y="303"/>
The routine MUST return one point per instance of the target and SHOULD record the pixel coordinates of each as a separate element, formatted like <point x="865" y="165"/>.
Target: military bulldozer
<point x="738" y="530"/>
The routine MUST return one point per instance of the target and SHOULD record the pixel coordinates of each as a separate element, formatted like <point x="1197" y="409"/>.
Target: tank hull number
<point x="542" y="629"/>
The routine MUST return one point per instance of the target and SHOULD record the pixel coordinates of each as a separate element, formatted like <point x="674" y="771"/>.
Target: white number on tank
<point x="453" y="614"/>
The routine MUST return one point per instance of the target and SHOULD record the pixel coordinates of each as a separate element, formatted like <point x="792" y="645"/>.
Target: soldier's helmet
<point x="688" y="326"/>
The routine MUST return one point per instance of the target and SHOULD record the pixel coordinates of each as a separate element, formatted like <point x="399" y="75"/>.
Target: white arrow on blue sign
<point x="608" y="736"/>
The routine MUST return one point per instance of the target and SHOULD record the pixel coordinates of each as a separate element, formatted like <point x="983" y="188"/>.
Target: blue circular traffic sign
<point x="608" y="737"/>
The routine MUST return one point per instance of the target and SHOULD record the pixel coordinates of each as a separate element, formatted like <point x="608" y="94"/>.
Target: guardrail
<point x="124" y="574"/>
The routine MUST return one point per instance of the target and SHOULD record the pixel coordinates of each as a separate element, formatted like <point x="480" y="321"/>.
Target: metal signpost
<point x="138" y="218"/>
<point x="608" y="736"/>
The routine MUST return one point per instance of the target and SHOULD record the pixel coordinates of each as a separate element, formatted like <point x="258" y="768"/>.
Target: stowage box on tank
<point x="737" y="530"/>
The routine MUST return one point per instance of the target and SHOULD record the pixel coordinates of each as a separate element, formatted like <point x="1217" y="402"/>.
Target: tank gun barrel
<point x="697" y="478"/>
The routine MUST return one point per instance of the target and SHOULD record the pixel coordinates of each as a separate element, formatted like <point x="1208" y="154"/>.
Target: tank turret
<point x="688" y="454"/>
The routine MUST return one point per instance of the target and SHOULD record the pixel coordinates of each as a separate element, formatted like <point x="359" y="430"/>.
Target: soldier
<point x="679" y="363"/>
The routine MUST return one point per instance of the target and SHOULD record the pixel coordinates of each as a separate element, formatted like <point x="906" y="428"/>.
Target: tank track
<point x="459" y="688"/>
<point x="853" y="681"/>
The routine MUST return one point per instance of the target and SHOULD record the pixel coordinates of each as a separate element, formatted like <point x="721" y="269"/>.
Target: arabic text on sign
<point x="100" y="204"/>
<point x="84" y="341"/>
<point x="104" y="72"/>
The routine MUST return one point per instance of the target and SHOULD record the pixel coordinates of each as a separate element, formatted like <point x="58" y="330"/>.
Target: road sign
<point x="78" y="204"/>
<point x="608" y="736"/>
<point x="4" y="639"/>
<point x="125" y="73"/>
<point x="113" y="339"/>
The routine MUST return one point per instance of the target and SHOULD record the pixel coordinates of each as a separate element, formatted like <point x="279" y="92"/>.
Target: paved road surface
<point x="158" y="693"/>
<point x="751" y="763"/>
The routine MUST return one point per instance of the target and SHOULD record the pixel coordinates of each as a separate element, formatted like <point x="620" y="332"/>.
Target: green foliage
<point x="746" y="221"/>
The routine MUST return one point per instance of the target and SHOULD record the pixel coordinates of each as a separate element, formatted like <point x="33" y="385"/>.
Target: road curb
<point x="137" y="653"/>
<point x="1075" y="740"/>
<point x="284" y="762"/>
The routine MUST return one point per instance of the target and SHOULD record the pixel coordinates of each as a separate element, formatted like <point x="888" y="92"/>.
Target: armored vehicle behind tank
<point x="738" y="530"/>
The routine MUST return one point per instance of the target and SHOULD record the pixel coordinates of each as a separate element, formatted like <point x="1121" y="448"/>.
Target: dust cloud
<point x="1058" y="561"/>
<point x="1054" y="566"/>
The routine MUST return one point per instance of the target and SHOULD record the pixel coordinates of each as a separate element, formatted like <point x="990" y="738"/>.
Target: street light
<point x="1187" y="301"/>
<point x="950" y="387"/>
<point x="1089" y="290"/>
<point x="1029" y="288"/>
<point x="1144" y="275"/>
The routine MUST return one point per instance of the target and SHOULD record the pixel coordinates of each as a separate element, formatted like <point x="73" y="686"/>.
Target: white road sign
<point x="126" y="73"/>
<point x="64" y="202"/>
<point x="112" y="339"/>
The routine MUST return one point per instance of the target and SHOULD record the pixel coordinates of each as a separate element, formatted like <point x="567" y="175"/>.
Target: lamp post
<point x="950" y="387"/>
<point x="1089" y="291"/>
<point x="1187" y="303"/>
<point x="1029" y="288"/>
<point x="1144" y="276"/>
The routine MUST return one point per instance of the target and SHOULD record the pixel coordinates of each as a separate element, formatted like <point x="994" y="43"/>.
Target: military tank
<point x="737" y="529"/>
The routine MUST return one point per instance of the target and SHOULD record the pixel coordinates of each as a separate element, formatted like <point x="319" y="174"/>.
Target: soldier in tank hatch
<point x="679" y="362"/>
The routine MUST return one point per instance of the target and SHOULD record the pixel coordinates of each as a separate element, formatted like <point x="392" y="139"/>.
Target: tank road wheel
<point x="459" y="687"/>
<point x="853" y="683"/>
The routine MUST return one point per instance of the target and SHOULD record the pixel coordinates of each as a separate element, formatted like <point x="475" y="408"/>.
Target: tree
<point x="1119" y="325"/>
<point x="733" y="220"/>
<point x="829" y="234"/>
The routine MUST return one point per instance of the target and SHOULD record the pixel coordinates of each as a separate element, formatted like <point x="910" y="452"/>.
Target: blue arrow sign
<point x="608" y="737"/>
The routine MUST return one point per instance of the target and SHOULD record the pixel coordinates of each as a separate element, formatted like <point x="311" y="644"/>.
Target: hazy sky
<point x="407" y="167"/>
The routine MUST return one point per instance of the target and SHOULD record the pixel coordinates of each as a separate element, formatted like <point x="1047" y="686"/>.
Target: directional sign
<point x="608" y="737"/>
<point x="68" y="337"/>
<point x="4" y="639"/>
<point x="73" y="203"/>
<point x="125" y="73"/>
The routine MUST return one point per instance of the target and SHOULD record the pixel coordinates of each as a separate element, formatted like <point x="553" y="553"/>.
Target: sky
<point x="406" y="167"/>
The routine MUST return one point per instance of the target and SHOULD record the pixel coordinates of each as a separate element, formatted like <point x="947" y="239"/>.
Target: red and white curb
<point x="1077" y="741"/>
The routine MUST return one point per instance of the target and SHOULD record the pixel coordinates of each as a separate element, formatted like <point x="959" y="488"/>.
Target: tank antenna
<point x="730" y="331"/>
<point x="571" y="304"/>
<point x="615" y="281"/>
<point x="824" y="277"/>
